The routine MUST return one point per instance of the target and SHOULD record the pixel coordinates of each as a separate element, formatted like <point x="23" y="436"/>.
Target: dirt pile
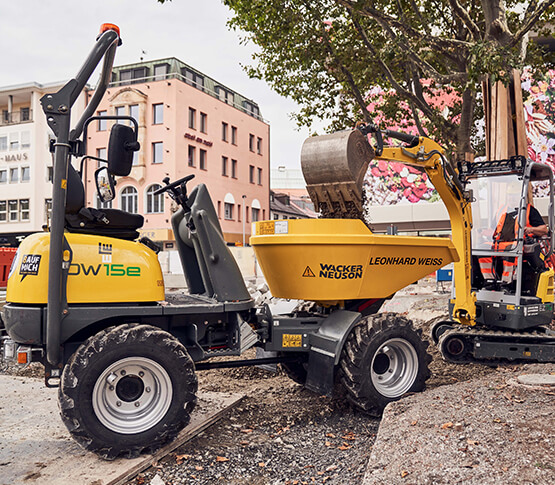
<point x="489" y="430"/>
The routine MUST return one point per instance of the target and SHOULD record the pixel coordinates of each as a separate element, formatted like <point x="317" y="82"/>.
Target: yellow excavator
<point x="492" y="318"/>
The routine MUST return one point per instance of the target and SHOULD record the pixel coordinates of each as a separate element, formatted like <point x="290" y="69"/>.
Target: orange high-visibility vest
<point x="509" y="264"/>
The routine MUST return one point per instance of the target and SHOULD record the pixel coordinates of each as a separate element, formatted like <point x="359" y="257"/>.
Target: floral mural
<point x="389" y="183"/>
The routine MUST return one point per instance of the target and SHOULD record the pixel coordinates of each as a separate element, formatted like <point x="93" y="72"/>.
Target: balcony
<point x="16" y="117"/>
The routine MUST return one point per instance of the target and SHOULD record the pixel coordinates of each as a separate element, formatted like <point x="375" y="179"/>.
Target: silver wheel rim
<point x="132" y="395"/>
<point x="394" y="368"/>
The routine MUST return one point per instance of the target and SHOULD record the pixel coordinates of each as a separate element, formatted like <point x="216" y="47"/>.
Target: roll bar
<point x="57" y="108"/>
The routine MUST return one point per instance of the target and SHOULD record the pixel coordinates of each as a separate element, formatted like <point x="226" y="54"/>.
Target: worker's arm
<point x="538" y="231"/>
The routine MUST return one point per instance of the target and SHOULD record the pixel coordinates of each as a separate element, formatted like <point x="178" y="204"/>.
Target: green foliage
<point x="328" y="54"/>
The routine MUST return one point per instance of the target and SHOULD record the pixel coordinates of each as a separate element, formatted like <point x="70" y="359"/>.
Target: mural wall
<point x="389" y="183"/>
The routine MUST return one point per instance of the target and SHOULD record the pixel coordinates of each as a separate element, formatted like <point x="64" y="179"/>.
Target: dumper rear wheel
<point x="383" y="359"/>
<point x="126" y="390"/>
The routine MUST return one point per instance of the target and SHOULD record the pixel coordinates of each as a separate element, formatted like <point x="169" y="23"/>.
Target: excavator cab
<point x="509" y="265"/>
<point x="496" y="208"/>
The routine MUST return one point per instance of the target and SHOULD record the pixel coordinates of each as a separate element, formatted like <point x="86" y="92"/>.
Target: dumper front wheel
<point x="126" y="390"/>
<point x="383" y="359"/>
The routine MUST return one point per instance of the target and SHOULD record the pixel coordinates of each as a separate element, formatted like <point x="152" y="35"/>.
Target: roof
<point x="175" y="70"/>
<point x="291" y="209"/>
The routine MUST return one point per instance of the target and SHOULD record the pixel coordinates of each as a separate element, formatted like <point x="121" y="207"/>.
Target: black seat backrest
<point x="75" y="193"/>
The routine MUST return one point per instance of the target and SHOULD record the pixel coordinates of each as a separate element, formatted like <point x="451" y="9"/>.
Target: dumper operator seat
<point x="102" y="222"/>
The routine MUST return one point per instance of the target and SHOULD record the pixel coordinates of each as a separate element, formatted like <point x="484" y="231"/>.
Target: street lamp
<point x="244" y="217"/>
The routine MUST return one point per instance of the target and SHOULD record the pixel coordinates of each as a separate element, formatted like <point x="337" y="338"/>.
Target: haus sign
<point x="14" y="157"/>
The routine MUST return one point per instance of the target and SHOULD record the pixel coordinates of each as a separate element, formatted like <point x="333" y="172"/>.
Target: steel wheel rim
<point x="132" y="395"/>
<point x="394" y="368"/>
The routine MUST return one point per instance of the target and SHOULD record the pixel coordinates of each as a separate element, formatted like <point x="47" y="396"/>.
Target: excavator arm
<point x="334" y="167"/>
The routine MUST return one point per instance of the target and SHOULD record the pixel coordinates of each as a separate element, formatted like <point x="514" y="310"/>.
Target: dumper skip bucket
<point x="330" y="260"/>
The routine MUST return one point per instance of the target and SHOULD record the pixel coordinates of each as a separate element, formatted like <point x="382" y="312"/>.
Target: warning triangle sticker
<point x="308" y="273"/>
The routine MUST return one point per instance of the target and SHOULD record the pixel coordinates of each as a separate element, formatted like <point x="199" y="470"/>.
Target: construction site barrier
<point x="6" y="258"/>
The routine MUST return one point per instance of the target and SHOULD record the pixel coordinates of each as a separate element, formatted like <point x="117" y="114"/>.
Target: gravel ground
<point x="279" y="434"/>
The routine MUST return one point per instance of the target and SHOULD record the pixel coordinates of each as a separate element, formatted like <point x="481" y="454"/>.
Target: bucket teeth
<point x="334" y="167"/>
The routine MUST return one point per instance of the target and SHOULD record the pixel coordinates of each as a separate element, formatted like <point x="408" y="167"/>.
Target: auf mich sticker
<point x="30" y="264"/>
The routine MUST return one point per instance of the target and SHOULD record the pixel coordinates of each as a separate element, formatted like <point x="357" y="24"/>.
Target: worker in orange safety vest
<point x="505" y="237"/>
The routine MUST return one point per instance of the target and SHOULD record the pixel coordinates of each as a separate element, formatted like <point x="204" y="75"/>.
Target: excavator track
<point x="334" y="167"/>
<point x="460" y="344"/>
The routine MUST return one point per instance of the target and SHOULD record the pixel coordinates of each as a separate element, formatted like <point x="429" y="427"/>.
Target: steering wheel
<point x="173" y="185"/>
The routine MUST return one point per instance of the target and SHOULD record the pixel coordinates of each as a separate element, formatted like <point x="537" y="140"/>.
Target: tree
<point x="328" y="54"/>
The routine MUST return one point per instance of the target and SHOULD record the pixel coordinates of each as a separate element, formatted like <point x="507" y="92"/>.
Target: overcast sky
<point x="47" y="40"/>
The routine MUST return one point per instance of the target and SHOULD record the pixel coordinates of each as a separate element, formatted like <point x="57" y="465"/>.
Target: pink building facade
<point x="188" y="124"/>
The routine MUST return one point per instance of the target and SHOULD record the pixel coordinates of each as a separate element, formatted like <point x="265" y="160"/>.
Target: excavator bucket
<point x="334" y="167"/>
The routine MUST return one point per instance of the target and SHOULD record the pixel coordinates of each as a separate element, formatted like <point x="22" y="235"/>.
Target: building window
<point x="233" y="169"/>
<point x="234" y="135"/>
<point x="13" y="210"/>
<point x="160" y="72"/>
<point x="101" y="153"/>
<point x="3" y="211"/>
<point x="228" y="211"/>
<point x="224" y="166"/>
<point x="259" y="145"/>
<point x="14" y="141"/>
<point x="48" y="209"/>
<point x="132" y="76"/>
<point x="251" y="174"/>
<point x="24" y="209"/>
<point x="3" y="176"/>
<point x="24" y="114"/>
<point x="25" y="174"/>
<point x="251" y="143"/>
<point x="3" y="143"/>
<point x="192" y="156"/>
<point x="202" y="159"/>
<point x="102" y="124"/>
<point x="103" y="205"/>
<point x="5" y="116"/>
<point x="49" y="174"/>
<point x="224" y="131"/>
<point x="224" y="95"/>
<point x="14" y="175"/>
<point x="259" y="176"/>
<point x="203" y="123"/>
<point x="255" y="214"/>
<point x="192" y="118"/>
<point x="157" y="152"/>
<point x="129" y="200"/>
<point x="154" y="203"/>
<point x="251" y="109"/>
<point x="120" y="111"/>
<point x="134" y="113"/>
<point x="193" y="79"/>
<point x="25" y="139"/>
<point x="157" y="114"/>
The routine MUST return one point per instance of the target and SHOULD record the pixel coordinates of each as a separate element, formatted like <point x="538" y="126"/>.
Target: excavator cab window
<point x="498" y="202"/>
<point x="494" y="196"/>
